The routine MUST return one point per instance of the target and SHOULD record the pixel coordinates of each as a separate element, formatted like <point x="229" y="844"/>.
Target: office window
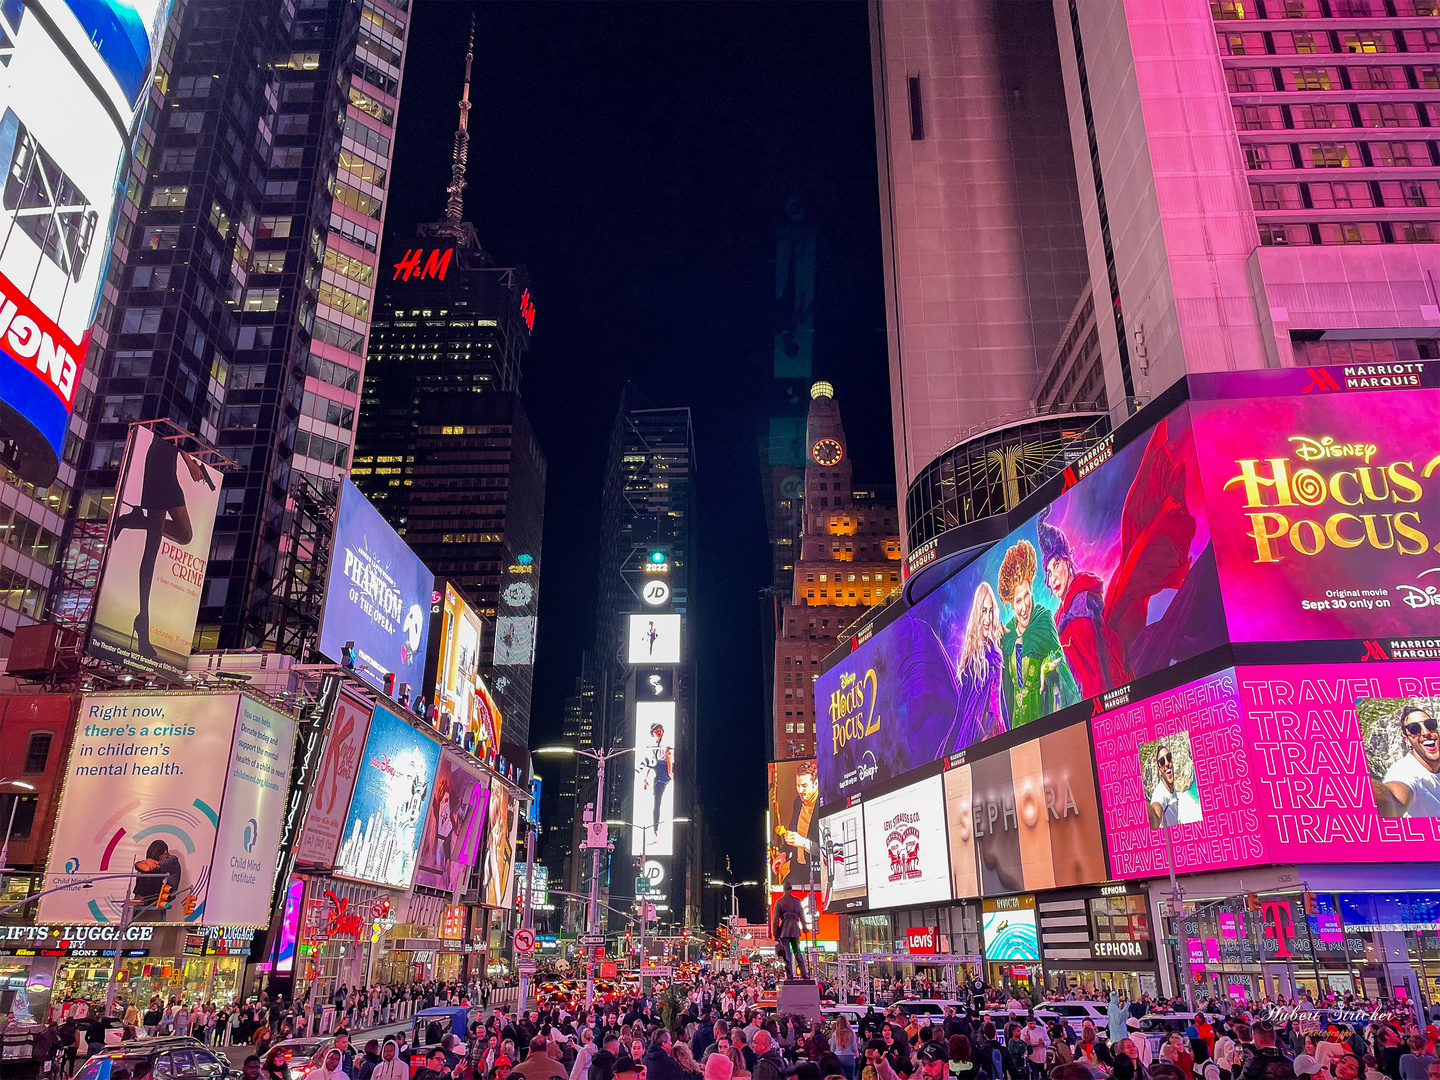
<point x="37" y="754"/>
<point x="169" y="195"/>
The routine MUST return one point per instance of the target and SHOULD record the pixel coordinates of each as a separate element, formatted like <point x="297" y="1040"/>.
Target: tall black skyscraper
<point x="253" y="222"/>
<point x="647" y="509"/>
<point x="444" y="449"/>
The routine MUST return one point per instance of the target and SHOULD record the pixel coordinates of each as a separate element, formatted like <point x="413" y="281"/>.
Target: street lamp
<point x="644" y="837"/>
<point x="593" y="841"/>
<point x="15" y="805"/>
<point x="734" y="901"/>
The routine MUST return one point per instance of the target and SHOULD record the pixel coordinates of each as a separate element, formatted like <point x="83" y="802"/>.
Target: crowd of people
<point x="717" y="1030"/>
<point x="718" y="1033"/>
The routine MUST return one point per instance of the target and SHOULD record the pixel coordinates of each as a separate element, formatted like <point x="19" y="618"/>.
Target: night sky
<point x="636" y="159"/>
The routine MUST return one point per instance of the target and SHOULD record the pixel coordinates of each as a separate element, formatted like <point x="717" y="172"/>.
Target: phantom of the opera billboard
<point x="1238" y="593"/>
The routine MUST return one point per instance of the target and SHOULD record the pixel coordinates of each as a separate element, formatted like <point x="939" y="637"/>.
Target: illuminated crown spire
<point x="454" y="203"/>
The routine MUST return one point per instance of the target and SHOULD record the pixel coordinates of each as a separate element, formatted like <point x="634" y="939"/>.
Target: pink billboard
<point x="1226" y="832"/>
<point x="1312" y="763"/>
<point x="1326" y="513"/>
<point x="1348" y="759"/>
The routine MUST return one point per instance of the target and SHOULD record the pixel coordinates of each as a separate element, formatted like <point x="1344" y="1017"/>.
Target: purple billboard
<point x="1112" y="581"/>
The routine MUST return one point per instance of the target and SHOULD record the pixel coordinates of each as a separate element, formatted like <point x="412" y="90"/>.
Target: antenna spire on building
<point x="454" y="203"/>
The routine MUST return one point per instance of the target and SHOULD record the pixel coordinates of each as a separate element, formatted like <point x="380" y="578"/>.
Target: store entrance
<point x="1096" y="985"/>
<point x="1021" y="981"/>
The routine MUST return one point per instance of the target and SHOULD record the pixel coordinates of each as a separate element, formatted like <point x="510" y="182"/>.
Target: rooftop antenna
<point x="454" y="202"/>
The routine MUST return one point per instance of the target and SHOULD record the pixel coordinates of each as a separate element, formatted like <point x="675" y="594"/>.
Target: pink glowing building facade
<point x="1257" y="182"/>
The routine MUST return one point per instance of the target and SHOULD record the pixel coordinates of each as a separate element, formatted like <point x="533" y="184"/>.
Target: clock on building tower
<point x="827" y="452"/>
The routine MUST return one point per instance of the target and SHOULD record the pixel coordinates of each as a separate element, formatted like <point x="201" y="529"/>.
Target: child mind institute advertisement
<point x="184" y="791"/>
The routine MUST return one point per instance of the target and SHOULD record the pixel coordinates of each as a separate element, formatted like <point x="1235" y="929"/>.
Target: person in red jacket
<point x="1093" y="650"/>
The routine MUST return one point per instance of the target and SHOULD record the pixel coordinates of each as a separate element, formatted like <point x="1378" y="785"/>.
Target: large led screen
<point x="1326" y="510"/>
<point x="654" y="639"/>
<point x="392" y="796"/>
<point x="1025" y="818"/>
<point x="1112" y="581"/>
<point x="1010" y="934"/>
<point x="155" y="560"/>
<point x="73" y="78"/>
<point x="842" y="857"/>
<point x="1306" y="763"/>
<point x="334" y="783"/>
<point x="652" y="791"/>
<point x="377" y="595"/>
<point x="172" y="785"/>
<point x="905" y="851"/>
<point x="452" y="828"/>
<point x="464" y="707"/>
<point x="794" y="848"/>
<point x="499" y="875"/>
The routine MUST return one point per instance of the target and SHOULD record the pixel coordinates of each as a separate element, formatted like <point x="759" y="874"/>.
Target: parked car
<point x="296" y="1055"/>
<point x="179" y="1057"/>
<point x="929" y="1010"/>
<point x="1074" y="1013"/>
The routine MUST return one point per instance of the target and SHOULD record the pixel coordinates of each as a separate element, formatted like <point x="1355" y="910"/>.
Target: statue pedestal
<point x="797" y="997"/>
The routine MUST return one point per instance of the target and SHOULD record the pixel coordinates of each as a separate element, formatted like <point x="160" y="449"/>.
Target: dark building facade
<point x="242" y="310"/>
<point x="647" y="507"/>
<point x="444" y="449"/>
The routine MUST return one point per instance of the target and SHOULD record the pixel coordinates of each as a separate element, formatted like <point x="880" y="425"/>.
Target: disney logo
<point x="1308" y="449"/>
<point x="1416" y="596"/>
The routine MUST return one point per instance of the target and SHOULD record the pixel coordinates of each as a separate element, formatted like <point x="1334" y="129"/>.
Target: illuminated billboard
<point x="393" y="789"/>
<point x="1302" y="763"/>
<point x="188" y="786"/>
<point x="334" y="784"/>
<point x="1025" y="818"/>
<point x="905" y="850"/>
<point x="842" y="858"/>
<point x="499" y="869"/>
<point x="654" y="638"/>
<point x="1113" y="580"/>
<point x="377" y="595"/>
<point x="1326" y="510"/>
<point x="73" y="78"/>
<point x="155" y="559"/>
<point x="652" y="792"/>
<point x="794" y="845"/>
<point x="451" y="838"/>
<point x="1008" y="927"/>
<point x="1167" y="775"/>
<point x="464" y="708"/>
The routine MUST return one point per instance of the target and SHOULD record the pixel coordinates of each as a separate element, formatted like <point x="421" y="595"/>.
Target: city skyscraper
<point x="242" y="311"/>
<point x="444" y="449"/>
<point x="647" y="520"/>
<point x="848" y="554"/>
<point x="980" y="219"/>
<point x="1279" y="177"/>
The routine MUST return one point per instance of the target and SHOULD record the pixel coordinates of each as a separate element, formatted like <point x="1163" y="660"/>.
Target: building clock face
<point x="827" y="452"/>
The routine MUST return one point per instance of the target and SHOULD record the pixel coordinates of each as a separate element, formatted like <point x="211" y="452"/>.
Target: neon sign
<point x="339" y="919"/>
<point x="435" y="266"/>
<point x="527" y="310"/>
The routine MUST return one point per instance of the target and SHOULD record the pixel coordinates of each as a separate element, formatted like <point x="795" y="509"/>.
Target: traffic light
<point x="1252" y="901"/>
<point x="1312" y="906"/>
<point x="189" y="904"/>
<point x="163" y="900"/>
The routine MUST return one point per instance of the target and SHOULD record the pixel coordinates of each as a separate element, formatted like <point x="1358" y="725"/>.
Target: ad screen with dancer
<point x="155" y="562"/>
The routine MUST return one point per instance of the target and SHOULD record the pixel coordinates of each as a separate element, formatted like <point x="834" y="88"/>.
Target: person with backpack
<point x="1017" y="1054"/>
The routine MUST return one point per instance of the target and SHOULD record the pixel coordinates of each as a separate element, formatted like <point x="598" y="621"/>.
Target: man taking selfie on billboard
<point x="1411" y="786"/>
